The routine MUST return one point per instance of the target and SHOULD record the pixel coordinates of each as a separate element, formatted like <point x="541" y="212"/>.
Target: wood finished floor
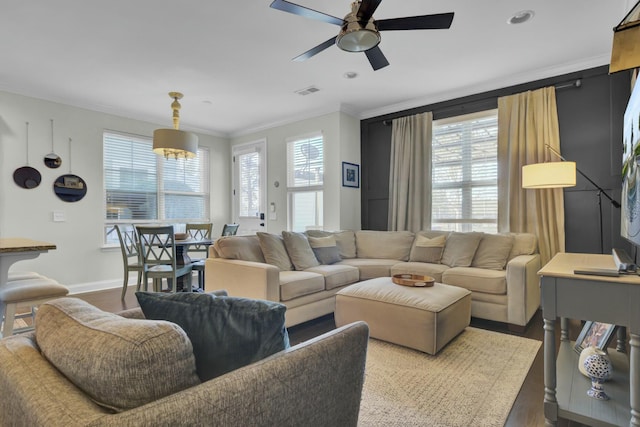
<point x="527" y="409"/>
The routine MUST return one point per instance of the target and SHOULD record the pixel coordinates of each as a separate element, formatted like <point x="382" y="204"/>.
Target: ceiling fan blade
<point x="314" y="51"/>
<point x="376" y="58"/>
<point x="366" y="10"/>
<point x="286" y="6"/>
<point x="438" y="21"/>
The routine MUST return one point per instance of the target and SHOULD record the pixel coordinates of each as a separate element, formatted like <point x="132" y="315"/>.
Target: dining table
<point x="183" y="258"/>
<point x="14" y="249"/>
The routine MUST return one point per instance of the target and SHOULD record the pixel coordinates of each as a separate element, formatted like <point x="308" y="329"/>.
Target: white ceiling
<point x="232" y="59"/>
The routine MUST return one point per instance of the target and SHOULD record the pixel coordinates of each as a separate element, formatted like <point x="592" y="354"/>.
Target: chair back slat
<point x="229" y="230"/>
<point x="129" y="245"/>
<point x="198" y="232"/>
<point x="157" y="244"/>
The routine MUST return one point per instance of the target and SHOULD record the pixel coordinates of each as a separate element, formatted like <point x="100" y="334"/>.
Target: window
<point x="465" y="173"/>
<point x="143" y="187"/>
<point x="305" y="180"/>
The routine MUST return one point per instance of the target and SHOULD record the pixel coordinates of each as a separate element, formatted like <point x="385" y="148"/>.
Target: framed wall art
<point x="350" y="175"/>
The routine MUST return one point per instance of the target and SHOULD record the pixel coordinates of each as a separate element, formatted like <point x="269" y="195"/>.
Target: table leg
<point x="550" y="401"/>
<point x="564" y="329"/>
<point x="634" y="380"/>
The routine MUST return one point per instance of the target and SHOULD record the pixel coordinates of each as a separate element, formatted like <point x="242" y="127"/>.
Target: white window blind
<point x="465" y="173"/>
<point x="142" y="187"/>
<point x="305" y="180"/>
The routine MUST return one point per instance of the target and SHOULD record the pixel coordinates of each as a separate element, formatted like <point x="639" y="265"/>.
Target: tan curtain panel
<point x="410" y="173"/>
<point x="526" y="122"/>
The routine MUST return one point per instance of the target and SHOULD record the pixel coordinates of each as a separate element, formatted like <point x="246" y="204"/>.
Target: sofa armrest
<point x="523" y="288"/>
<point x="318" y="382"/>
<point x="243" y="278"/>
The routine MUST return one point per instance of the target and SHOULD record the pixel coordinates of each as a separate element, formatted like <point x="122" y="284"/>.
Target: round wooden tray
<point x="413" y="280"/>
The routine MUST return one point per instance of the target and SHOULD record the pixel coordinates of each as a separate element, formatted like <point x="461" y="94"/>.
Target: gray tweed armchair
<point x="316" y="383"/>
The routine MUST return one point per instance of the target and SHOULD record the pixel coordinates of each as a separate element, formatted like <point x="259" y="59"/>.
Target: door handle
<point x="262" y="224"/>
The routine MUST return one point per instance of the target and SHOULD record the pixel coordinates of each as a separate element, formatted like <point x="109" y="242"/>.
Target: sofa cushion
<point x="477" y="279"/>
<point x="337" y="275"/>
<point x="245" y="248"/>
<point x="460" y="249"/>
<point x="120" y="363"/>
<point x="325" y="249"/>
<point x="345" y="240"/>
<point x="371" y="268"/>
<point x="493" y="251"/>
<point x="299" y="250"/>
<point x="294" y="284"/>
<point x="420" y="268"/>
<point x="384" y="244"/>
<point x="523" y="244"/>
<point x="274" y="251"/>
<point x="427" y="249"/>
<point x="226" y="332"/>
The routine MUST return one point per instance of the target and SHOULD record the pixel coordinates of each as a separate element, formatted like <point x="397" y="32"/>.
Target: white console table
<point x="614" y="300"/>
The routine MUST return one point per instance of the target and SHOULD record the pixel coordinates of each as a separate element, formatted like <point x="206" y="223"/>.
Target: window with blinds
<point x="465" y="173"/>
<point x="305" y="181"/>
<point x="143" y="187"/>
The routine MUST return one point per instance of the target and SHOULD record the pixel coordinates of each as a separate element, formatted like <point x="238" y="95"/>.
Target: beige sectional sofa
<point x="499" y="269"/>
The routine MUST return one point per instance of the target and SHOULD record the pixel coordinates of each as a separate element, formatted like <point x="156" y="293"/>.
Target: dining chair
<point x="131" y="256"/>
<point x="158" y="248"/>
<point x="199" y="232"/>
<point x="229" y="230"/>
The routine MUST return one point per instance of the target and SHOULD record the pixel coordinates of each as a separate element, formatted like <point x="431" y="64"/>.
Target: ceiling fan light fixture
<point x="358" y="40"/>
<point x="356" y="36"/>
<point x="174" y="142"/>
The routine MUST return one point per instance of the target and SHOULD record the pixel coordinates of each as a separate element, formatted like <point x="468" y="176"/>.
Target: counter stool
<point x="26" y="292"/>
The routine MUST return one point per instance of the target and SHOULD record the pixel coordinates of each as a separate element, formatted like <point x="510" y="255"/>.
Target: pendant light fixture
<point x="175" y="142"/>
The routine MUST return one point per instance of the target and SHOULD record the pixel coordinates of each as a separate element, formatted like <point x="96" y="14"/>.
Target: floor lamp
<point x="559" y="175"/>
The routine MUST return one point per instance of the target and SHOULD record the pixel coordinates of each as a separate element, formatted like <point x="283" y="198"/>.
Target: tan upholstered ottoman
<point x="424" y="319"/>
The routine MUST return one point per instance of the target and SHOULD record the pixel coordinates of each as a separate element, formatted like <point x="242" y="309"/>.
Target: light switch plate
<point x="58" y="216"/>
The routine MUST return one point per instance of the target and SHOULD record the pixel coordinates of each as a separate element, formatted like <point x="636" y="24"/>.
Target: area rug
<point x="473" y="381"/>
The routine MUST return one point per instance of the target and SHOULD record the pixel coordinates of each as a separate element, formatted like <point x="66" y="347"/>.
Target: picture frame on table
<point x="350" y="175"/>
<point x="594" y="334"/>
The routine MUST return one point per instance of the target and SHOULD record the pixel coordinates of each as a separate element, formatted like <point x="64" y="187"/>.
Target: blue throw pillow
<point x="226" y="332"/>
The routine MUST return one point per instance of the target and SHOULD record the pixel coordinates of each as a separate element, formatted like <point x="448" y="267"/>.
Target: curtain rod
<point x="575" y="83"/>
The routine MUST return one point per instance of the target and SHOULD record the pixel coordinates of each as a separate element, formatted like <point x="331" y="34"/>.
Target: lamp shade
<point x="175" y="143"/>
<point x="549" y="175"/>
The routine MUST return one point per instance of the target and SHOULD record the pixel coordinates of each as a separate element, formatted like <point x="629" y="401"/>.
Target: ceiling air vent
<point x="308" y="90"/>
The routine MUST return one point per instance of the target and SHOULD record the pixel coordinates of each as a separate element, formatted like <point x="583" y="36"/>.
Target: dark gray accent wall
<point x="590" y="118"/>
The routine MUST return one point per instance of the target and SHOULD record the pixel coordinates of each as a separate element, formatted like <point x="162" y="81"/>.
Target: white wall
<point x="341" y="134"/>
<point x="79" y="261"/>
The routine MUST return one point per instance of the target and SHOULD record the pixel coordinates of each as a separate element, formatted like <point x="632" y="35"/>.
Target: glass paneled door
<point x="249" y="178"/>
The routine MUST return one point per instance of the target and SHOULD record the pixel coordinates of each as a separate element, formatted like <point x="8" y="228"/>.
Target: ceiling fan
<point x="359" y="31"/>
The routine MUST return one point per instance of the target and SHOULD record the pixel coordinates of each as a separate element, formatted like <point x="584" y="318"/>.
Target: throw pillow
<point x="384" y="244"/>
<point x="299" y="250"/>
<point x="245" y="248"/>
<point x="493" y="252"/>
<point x="227" y="333"/>
<point x="325" y="249"/>
<point x="427" y="250"/>
<point x="120" y="363"/>
<point x="523" y="244"/>
<point x="460" y="249"/>
<point x="345" y="240"/>
<point x="274" y="251"/>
